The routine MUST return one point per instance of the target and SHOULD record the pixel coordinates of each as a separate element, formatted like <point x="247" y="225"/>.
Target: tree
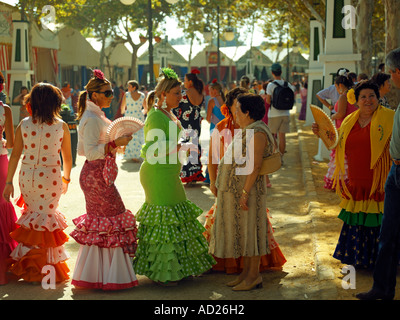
<point x="392" y="40"/>
<point x="365" y="9"/>
<point x="134" y="18"/>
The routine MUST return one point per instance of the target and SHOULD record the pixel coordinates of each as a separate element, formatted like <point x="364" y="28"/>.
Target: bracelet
<point x="9" y="182"/>
<point x="244" y="192"/>
<point x="65" y="180"/>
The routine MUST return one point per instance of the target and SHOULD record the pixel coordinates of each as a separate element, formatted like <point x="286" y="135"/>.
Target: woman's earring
<point x="164" y="104"/>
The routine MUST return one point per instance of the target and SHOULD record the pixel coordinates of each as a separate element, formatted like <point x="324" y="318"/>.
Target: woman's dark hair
<point x="366" y="84"/>
<point x="344" y="80"/>
<point x="233" y="94"/>
<point x="134" y="84"/>
<point x="380" y="78"/>
<point x="244" y="81"/>
<point x="197" y="83"/>
<point x="45" y="100"/>
<point x="252" y="103"/>
<point x="2" y="80"/>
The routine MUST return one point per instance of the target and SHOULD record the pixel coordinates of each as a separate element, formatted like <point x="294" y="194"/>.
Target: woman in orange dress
<point x="225" y="132"/>
<point x="42" y="136"/>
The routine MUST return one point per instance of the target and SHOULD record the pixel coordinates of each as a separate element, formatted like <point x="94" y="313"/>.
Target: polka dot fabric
<point x="134" y="109"/>
<point x="40" y="183"/>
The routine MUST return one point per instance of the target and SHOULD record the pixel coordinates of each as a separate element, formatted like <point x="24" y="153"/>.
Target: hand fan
<point x="124" y="126"/>
<point x="327" y="129"/>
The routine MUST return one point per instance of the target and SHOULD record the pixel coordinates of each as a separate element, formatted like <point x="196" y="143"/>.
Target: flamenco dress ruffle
<point x="41" y="243"/>
<point x="171" y="245"/>
<point x="108" y="242"/>
<point x="274" y="260"/>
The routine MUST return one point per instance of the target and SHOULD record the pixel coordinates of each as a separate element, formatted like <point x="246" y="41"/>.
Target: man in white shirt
<point x="278" y="120"/>
<point x="331" y="92"/>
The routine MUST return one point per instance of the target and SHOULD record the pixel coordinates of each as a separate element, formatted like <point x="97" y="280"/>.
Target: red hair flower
<point x="98" y="74"/>
<point x="29" y="108"/>
<point x="195" y="71"/>
<point x="214" y="81"/>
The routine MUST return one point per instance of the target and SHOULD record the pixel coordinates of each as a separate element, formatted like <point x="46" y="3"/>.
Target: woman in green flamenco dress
<point x="171" y="245"/>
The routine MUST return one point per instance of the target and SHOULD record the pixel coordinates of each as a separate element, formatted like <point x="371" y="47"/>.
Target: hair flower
<point x="169" y="73"/>
<point x="98" y="74"/>
<point x="195" y="71"/>
<point x="29" y="108"/>
<point x="351" y="97"/>
<point x="214" y="81"/>
<point x="225" y="110"/>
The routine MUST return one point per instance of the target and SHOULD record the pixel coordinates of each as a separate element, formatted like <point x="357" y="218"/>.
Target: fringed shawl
<point x="380" y="134"/>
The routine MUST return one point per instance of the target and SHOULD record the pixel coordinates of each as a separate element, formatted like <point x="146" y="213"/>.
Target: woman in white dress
<point x="133" y="105"/>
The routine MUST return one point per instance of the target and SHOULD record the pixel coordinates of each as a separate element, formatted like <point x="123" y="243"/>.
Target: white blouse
<point x="92" y="132"/>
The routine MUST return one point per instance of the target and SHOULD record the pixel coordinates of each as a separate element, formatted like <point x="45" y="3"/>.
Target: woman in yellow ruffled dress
<point x="364" y="138"/>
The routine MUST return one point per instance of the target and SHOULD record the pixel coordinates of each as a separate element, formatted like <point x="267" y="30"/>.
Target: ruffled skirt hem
<point x="272" y="261"/>
<point x="358" y="246"/>
<point x="30" y="265"/>
<point x="171" y="242"/>
<point x="107" y="232"/>
<point x="103" y="268"/>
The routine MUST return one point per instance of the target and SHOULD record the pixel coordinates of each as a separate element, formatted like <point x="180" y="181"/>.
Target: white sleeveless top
<point x="42" y="142"/>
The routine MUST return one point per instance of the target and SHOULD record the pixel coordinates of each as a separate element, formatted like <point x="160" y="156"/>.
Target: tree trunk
<point x="133" y="74"/>
<point x="102" y="53"/>
<point x="392" y="41"/>
<point x="365" y="10"/>
<point x="190" y="54"/>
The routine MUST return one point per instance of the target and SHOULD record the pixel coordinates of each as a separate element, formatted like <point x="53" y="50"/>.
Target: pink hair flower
<point x="98" y="74"/>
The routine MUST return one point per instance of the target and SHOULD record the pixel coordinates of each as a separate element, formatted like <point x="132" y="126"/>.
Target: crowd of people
<point x="169" y="243"/>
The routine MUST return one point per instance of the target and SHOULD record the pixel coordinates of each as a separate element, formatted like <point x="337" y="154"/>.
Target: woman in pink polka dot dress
<point x="41" y="137"/>
<point x="7" y="212"/>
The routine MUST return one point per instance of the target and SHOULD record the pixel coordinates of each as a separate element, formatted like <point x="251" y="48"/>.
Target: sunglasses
<point x="107" y="93"/>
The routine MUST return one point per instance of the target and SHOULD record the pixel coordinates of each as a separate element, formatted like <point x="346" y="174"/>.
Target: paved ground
<point x="309" y="274"/>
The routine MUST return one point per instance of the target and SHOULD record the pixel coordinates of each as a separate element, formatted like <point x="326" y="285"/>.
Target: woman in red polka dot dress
<point x="107" y="231"/>
<point x="41" y="137"/>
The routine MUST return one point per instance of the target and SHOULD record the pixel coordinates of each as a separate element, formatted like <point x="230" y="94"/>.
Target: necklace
<point x="363" y="122"/>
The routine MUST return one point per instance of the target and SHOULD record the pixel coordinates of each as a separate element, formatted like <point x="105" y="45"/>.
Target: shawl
<point x="232" y="180"/>
<point x="380" y="134"/>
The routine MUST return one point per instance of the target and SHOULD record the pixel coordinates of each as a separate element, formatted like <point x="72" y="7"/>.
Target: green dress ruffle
<point x="171" y="242"/>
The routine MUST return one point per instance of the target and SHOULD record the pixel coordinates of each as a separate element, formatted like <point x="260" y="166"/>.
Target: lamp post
<point x="150" y="34"/>
<point x="229" y="35"/>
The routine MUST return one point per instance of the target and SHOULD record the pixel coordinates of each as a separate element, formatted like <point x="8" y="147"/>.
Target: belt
<point x="396" y="162"/>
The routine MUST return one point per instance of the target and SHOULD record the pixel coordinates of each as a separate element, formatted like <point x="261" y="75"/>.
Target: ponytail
<point x="197" y="83"/>
<point x="81" y="104"/>
<point x="151" y="97"/>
